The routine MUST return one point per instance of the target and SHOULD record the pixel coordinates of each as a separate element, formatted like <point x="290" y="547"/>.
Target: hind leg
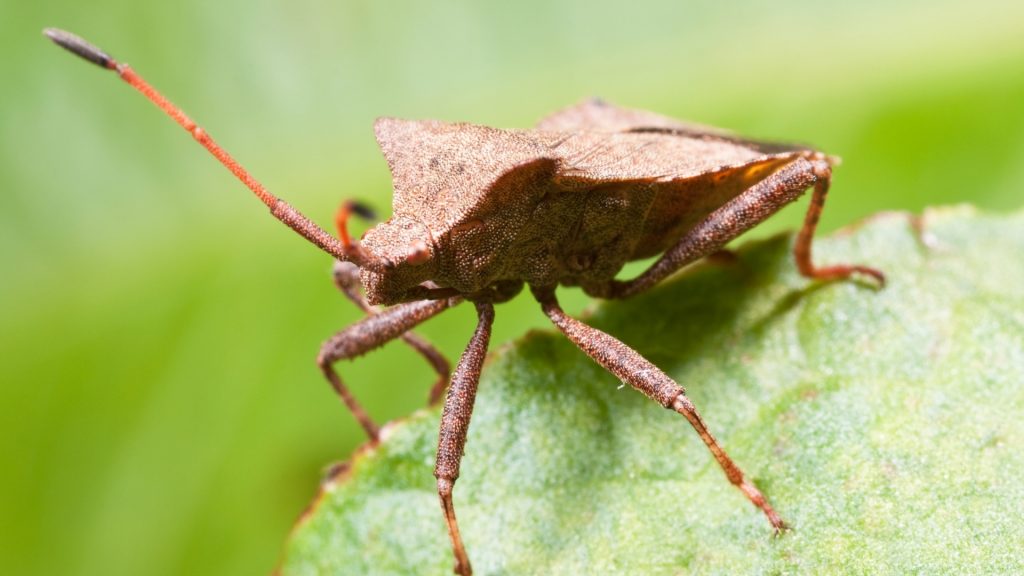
<point x="741" y="214"/>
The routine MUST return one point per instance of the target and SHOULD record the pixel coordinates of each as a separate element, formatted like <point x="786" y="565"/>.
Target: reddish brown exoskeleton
<point x="481" y="212"/>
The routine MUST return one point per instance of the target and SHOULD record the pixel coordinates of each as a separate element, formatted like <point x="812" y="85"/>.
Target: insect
<point x="479" y="213"/>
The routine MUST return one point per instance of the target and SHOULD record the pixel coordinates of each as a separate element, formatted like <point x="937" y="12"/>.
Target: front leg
<point x="632" y="368"/>
<point x="346" y="278"/>
<point x="368" y="334"/>
<point x="737" y="216"/>
<point x="458" y="409"/>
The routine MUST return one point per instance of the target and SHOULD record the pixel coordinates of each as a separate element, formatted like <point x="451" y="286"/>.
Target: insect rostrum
<point x="480" y="212"/>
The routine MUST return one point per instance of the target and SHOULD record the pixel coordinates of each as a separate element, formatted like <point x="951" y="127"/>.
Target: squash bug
<point x="480" y="212"/>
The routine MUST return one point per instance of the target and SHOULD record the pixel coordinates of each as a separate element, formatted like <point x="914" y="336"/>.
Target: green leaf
<point x="884" y="425"/>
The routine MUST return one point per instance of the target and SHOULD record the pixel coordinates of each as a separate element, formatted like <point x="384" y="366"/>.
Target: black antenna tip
<point x="80" y="47"/>
<point x="362" y="210"/>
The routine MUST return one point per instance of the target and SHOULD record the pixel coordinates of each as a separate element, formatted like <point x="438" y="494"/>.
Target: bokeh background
<point x="160" y="411"/>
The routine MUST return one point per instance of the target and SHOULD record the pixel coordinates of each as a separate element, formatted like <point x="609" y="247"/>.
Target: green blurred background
<point x="160" y="411"/>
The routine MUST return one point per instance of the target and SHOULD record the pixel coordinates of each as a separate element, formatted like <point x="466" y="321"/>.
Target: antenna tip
<point x="362" y="210"/>
<point x="79" y="47"/>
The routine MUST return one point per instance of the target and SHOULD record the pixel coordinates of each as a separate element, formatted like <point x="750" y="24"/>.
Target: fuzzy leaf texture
<point x="886" y="426"/>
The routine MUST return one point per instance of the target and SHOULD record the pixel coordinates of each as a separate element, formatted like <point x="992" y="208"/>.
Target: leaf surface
<point x="885" y="426"/>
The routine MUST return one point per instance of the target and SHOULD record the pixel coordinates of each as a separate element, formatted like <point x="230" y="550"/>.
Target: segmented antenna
<point x="281" y="210"/>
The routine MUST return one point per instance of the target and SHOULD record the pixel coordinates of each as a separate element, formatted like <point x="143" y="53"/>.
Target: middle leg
<point x="630" y="367"/>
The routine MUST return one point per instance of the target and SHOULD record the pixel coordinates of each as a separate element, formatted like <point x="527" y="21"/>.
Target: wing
<point x="693" y="170"/>
<point x="714" y="145"/>
<point x="590" y="158"/>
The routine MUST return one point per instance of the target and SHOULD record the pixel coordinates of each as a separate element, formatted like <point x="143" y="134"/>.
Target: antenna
<point x="342" y="250"/>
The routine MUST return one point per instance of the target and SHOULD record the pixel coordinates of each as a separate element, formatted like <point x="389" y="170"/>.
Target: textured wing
<point x="692" y="170"/>
<point x="588" y="158"/>
<point x="601" y="139"/>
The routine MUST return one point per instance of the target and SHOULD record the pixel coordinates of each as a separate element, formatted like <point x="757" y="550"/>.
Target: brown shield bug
<point x="480" y="212"/>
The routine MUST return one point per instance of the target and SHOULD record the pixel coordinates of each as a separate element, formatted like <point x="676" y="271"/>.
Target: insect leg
<point x="458" y="408"/>
<point x="736" y="217"/>
<point x="368" y="334"/>
<point x="346" y="278"/>
<point x="635" y="370"/>
<point x="802" y="249"/>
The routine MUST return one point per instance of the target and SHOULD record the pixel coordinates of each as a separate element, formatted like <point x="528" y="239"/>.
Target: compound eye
<point x="418" y="254"/>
